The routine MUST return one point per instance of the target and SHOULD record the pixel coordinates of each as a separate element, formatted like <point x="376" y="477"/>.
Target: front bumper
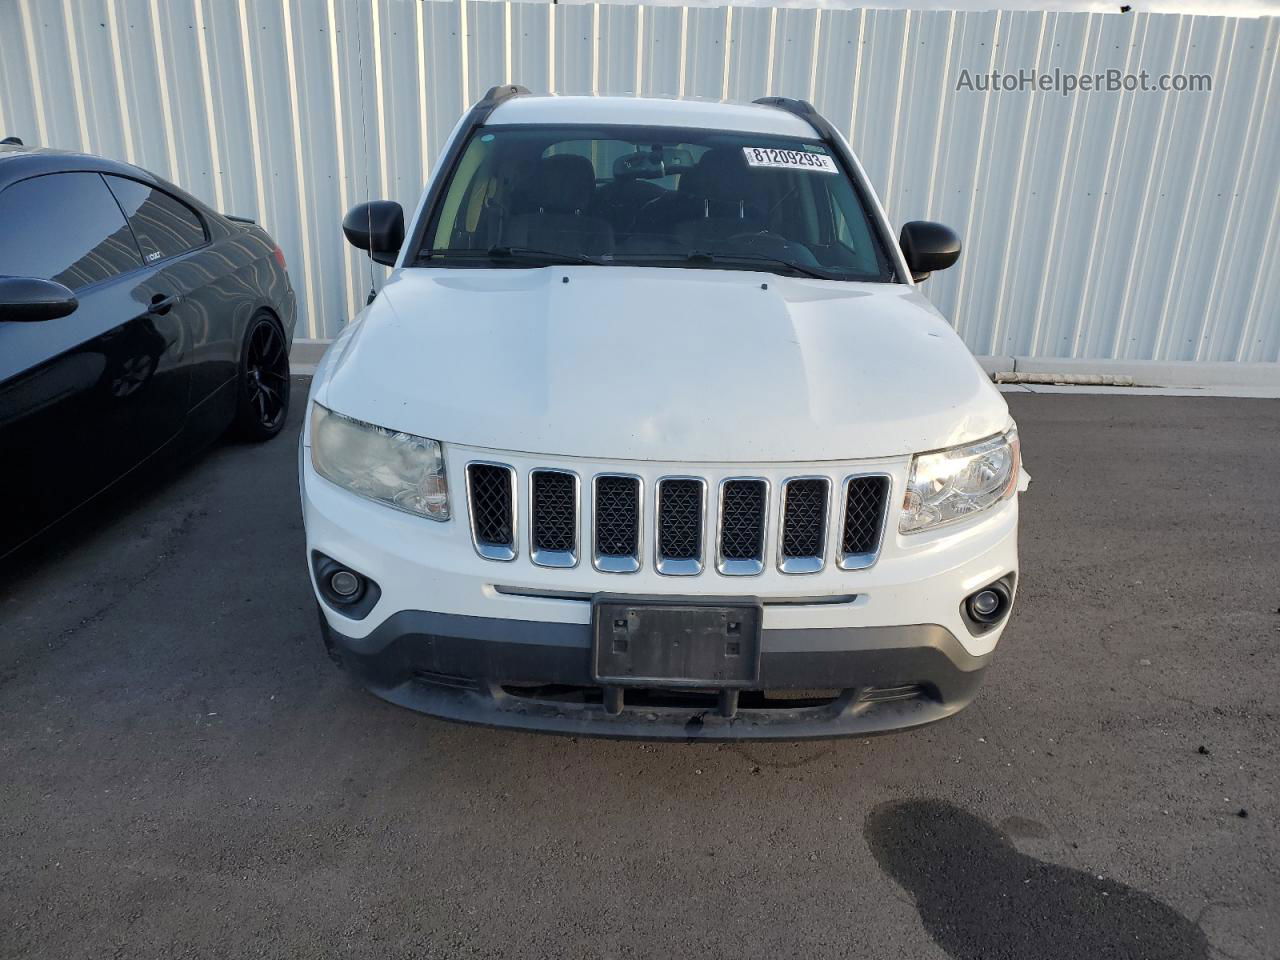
<point x="465" y="638"/>
<point x="534" y="675"/>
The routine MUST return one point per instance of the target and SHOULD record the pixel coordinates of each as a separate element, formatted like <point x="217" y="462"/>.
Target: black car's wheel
<point x="264" y="380"/>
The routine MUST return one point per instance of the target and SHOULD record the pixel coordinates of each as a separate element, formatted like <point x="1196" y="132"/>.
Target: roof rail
<point x="801" y="108"/>
<point x="495" y="96"/>
<point x="807" y="112"/>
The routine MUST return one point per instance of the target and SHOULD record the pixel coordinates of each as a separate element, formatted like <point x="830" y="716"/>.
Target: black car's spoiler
<point x="235" y="219"/>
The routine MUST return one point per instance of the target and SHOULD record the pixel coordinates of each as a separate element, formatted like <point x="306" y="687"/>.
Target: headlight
<point x="952" y="484"/>
<point x="398" y="469"/>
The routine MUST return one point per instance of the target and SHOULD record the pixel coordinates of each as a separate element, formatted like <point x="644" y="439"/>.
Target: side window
<point x="468" y="190"/>
<point x="854" y="236"/>
<point x="164" y="225"/>
<point x="65" y="227"/>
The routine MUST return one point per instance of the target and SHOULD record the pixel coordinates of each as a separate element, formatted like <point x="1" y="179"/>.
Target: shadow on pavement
<point x="979" y="898"/>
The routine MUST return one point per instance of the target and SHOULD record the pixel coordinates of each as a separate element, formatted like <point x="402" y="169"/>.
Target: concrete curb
<point x="1063" y="375"/>
<point x="1155" y="373"/>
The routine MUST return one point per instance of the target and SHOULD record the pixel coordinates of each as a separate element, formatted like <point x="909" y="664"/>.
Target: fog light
<point x="344" y="584"/>
<point x="343" y="590"/>
<point x="984" y="604"/>
<point x="984" y="609"/>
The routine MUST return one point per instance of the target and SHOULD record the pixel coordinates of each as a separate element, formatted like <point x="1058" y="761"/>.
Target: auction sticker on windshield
<point x="789" y="159"/>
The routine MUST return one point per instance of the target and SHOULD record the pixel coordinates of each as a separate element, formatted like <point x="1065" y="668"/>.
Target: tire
<point x="262" y="404"/>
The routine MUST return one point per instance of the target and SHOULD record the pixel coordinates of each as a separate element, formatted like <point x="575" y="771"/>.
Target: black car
<point x="134" y="320"/>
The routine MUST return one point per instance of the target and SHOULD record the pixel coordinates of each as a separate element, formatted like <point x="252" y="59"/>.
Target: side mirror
<point x="377" y="226"/>
<point x="928" y="246"/>
<point x="30" y="300"/>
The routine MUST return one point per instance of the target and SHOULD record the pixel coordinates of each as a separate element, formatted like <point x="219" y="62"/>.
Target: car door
<point x="174" y="240"/>
<point x="87" y="397"/>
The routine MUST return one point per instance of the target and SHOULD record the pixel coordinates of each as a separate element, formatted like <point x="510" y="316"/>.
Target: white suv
<point x="650" y="433"/>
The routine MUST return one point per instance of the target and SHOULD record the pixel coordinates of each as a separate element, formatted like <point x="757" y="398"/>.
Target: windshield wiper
<point x="523" y="254"/>
<point x="724" y="259"/>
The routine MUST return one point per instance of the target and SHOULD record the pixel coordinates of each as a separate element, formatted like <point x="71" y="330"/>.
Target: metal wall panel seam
<point x="1181" y="241"/>
<point x="857" y="76"/>
<point x="506" y="43"/>
<point x="162" y="85"/>
<point x="973" y="193"/>
<point x="379" y="97"/>
<point x="813" y="59"/>
<point x="1127" y="288"/>
<point x="1103" y="210"/>
<point x="773" y="37"/>
<point x="350" y="271"/>
<point x="639" y="51"/>
<point x="300" y="172"/>
<point x="421" y="53"/>
<point x="684" y="48"/>
<point x="941" y="114"/>
<point x="255" y="145"/>
<point x="463" y="36"/>
<point x="728" y="53"/>
<point x="121" y="88"/>
<point x="894" y="132"/>
<point x="551" y="47"/>
<point x="1037" y="329"/>
<point x="77" y="82"/>
<point x="33" y="68"/>
<point x="1236" y="205"/>
<point x="595" y="49"/>
<point x="206" y="95"/>
<point x="1253" y="313"/>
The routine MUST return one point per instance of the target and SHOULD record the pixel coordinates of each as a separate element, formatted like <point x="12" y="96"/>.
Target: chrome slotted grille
<point x="804" y="524"/>
<point x="553" y="513"/>
<point x="679" y="527"/>
<point x="491" y="497"/>
<point x="743" y="509"/>
<point x="617" y="523"/>
<point x="841" y="515"/>
<point x="865" y="500"/>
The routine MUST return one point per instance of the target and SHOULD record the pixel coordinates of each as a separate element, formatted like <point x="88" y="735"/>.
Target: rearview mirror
<point x="30" y="300"/>
<point x="928" y="246"/>
<point x="653" y="164"/>
<point x="377" y="226"/>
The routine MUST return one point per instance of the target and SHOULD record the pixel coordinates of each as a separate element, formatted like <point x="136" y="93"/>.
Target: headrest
<point x="563" y="183"/>
<point x="721" y="174"/>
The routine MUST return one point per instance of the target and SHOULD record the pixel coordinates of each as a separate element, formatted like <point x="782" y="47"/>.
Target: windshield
<point x="653" y="196"/>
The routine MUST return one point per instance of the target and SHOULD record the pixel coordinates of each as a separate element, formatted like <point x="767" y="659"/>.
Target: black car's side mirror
<point x="928" y="246"/>
<point x="30" y="300"/>
<point x="377" y="226"/>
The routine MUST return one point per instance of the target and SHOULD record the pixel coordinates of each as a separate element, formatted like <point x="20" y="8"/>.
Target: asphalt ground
<point x="183" y="773"/>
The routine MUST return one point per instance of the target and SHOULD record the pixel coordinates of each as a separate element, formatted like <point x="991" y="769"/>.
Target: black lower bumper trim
<point x="489" y="671"/>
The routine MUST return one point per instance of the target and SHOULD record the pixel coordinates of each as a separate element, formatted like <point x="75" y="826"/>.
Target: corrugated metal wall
<point x="1133" y="225"/>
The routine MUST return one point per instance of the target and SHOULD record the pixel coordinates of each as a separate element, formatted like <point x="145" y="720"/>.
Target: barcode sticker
<point x="789" y="159"/>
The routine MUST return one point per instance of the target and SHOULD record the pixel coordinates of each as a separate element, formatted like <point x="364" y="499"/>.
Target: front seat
<point x="730" y="200"/>
<point x="549" y="209"/>
<point x="716" y="198"/>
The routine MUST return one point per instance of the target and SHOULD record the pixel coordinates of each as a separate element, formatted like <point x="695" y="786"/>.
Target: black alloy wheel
<point x="264" y="388"/>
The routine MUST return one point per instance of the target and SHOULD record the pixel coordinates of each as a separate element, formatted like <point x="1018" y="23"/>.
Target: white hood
<point x="638" y="363"/>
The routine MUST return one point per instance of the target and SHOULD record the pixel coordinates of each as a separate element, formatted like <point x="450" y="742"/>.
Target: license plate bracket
<point x="676" y="642"/>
